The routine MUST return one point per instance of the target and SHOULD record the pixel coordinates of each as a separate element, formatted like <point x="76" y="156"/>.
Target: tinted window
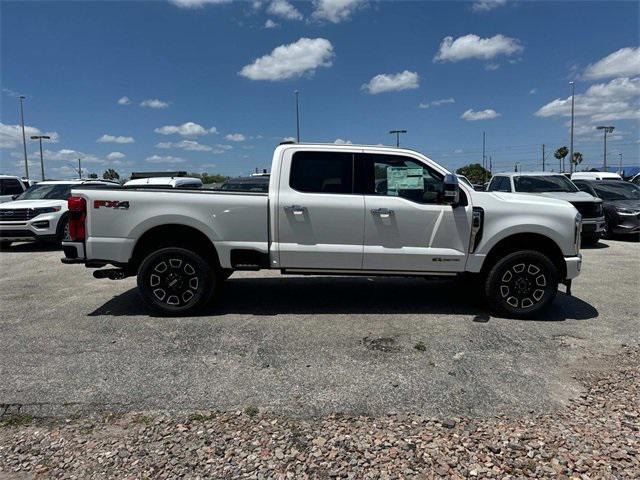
<point x="322" y="172"/>
<point x="59" y="191"/>
<point x="543" y="183"/>
<point x="617" y="191"/>
<point x="500" y="184"/>
<point x="582" y="186"/>
<point x="10" y="186"/>
<point x="398" y="176"/>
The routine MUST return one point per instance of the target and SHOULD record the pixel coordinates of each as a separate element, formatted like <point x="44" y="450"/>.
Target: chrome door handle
<point x="296" y="209"/>
<point x="382" y="212"/>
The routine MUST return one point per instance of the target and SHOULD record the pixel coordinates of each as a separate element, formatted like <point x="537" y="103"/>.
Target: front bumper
<point x="592" y="226"/>
<point x="42" y="227"/>
<point x="574" y="265"/>
<point x="627" y="223"/>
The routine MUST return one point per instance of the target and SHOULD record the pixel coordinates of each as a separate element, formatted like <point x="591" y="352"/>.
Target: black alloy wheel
<point x="522" y="284"/>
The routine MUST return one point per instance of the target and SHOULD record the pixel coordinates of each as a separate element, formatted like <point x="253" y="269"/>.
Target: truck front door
<point x="407" y="226"/>
<point x="320" y="218"/>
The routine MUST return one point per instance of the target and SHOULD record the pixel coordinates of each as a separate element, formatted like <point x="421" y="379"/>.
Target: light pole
<point x="397" y="134"/>
<point x="80" y="168"/>
<point x="24" y="138"/>
<point x="620" y="167"/>
<point x="40" y="138"/>
<point x="606" y="131"/>
<point x="297" y="117"/>
<point x="573" y="95"/>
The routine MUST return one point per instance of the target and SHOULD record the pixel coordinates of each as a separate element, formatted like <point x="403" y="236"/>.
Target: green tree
<point x="93" y="175"/>
<point x="207" y="178"/>
<point x="110" y="174"/>
<point x="560" y="154"/>
<point x="577" y="159"/>
<point x="475" y="173"/>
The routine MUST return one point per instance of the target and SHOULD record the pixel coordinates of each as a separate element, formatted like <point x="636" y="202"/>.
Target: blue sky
<point x="218" y="79"/>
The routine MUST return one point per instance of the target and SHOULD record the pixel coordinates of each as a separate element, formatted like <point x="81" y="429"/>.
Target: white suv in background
<point x="10" y="186"/>
<point x="40" y="212"/>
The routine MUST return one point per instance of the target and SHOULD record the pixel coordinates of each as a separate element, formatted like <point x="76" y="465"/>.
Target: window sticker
<point x="404" y="178"/>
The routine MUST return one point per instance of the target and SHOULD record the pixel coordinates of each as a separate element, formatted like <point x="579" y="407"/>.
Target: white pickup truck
<point x="330" y="209"/>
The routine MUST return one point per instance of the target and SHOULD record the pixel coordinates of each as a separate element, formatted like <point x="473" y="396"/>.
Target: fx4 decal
<point x="115" y="204"/>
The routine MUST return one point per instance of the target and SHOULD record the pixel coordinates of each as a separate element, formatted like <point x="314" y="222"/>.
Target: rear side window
<point x="500" y="184"/>
<point x="322" y="172"/>
<point x="10" y="186"/>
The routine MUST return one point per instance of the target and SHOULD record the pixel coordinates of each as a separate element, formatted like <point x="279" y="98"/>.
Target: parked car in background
<point x="555" y="185"/>
<point x="254" y="183"/>
<point x="636" y="179"/>
<point x="40" y="212"/>
<point x="621" y="202"/>
<point x="333" y="210"/>
<point x="165" y="182"/>
<point x="11" y="186"/>
<point x="595" y="176"/>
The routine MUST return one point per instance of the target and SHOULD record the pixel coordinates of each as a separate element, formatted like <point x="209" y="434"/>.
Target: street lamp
<point x="573" y="95"/>
<point x="24" y="138"/>
<point x="297" y="93"/>
<point x="397" y="134"/>
<point x="40" y="138"/>
<point x="606" y="131"/>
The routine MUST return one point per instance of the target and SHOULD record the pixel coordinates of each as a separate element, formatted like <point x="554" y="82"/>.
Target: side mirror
<point x="451" y="193"/>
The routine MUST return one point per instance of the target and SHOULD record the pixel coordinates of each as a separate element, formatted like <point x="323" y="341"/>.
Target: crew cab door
<point x="407" y="226"/>
<point x="320" y="218"/>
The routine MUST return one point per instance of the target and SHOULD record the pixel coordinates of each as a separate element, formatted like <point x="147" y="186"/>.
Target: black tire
<point x="607" y="233"/>
<point x="522" y="284"/>
<point x="175" y="281"/>
<point x="62" y="231"/>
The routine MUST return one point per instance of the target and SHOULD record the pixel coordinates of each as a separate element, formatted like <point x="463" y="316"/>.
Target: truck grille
<point x="589" y="209"/>
<point x="17" y="214"/>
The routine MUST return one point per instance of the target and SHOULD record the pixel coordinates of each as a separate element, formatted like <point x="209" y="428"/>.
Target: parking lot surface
<point x="302" y="346"/>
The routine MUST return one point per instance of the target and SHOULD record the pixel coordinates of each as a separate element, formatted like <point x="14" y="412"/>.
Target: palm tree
<point x="576" y="160"/>
<point x="560" y="154"/>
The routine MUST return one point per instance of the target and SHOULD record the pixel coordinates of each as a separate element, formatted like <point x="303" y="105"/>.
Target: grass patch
<point x="420" y="346"/>
<point x="16" y="420"/>
<point x="251" y="411"/>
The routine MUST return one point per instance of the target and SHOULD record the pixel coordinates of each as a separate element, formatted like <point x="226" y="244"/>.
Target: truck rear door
<point x="320" y="218"/>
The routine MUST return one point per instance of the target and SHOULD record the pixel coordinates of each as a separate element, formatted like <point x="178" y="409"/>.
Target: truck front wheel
<point x="521" y="284"/>
<point x="175" y="281"/>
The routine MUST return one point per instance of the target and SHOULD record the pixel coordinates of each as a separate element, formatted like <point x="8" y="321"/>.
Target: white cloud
<point x="472" y="46"/>
<point x="188" y="129"/>
<point x="292" y="60"/>
<point x="270" y="24"/>
<point x="115" y="139"/>
<point x="115" y="156"/>
<point x="533" y="91"/>
<point x="615" y="100"/>
<point x="166" y="159"/>
<point x="283" y="9"/>
<point x="437" y="103"/>
<point x="486" y="5"/>
<point x="621" y="63"/>
<point x="124" y="101"/>
<point x="68" y="155"/>
<point x="472" y="116"/>
<point x="219" y="148"/>
<point x="340" y="141"/>
<point x="235" y="137"/>
<point x="492" y="66"/>
<point x="190" y="145"/>
<point x="289" y="139"/>
<point x="392" y="82"/>
<point x="196" y="3"/>
<point x="11" y="135"/>
<point x="335" y="11"/>
<point x="154" y="103"/>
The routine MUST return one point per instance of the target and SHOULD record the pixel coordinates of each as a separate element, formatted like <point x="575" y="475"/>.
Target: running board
<point x="247" y="267"/>
<point x="393" y="273"/>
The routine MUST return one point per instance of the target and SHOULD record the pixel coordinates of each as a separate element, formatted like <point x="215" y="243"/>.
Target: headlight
<point x="40" y="211"/>
<point x="628" y="211"/>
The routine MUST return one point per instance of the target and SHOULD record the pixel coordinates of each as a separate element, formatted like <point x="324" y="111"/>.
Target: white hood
<point x="523" y="198"/>
<point x="569" y="196"/>
<point x="34" y="204"/>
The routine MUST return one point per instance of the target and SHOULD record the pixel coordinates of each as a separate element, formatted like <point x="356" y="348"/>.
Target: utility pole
<point x="484" y="159"/>
<point x="397" y="134"/>
<point x="543" y="157"/>
<point x="606" y="131"/>
<point x="297" y="117"/>
<point x="24" y="138"/>
<point x="490" y="166"/>
<point x="573" y="94"/>
<point x="40" y="138"/>
<point x="620" y="168"/>
<point x="80" y="168"/>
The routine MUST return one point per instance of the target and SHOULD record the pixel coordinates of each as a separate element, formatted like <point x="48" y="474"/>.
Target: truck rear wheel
<point x="175" y="281"/>
<point x="521" y="284"/>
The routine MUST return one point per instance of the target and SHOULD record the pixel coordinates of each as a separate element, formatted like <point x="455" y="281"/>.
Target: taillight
<point x="77" y="217"/>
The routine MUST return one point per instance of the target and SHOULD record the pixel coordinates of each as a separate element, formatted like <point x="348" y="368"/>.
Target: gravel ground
<point x="595" y="436"/>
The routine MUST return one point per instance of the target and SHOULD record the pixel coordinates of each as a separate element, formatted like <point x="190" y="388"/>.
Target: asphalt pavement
<point x="302" y="346"/>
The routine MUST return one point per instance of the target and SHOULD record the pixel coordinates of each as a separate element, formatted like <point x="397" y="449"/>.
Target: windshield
<point x="57" y="191"/>
<point x="543" y="183"/>
<point x="617" y="191"/>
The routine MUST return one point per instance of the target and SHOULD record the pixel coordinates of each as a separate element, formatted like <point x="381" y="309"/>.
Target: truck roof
<point x="528" y="174"/>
